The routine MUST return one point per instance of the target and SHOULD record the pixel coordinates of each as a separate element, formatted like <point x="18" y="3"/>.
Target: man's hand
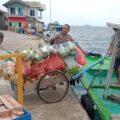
<point x="85" y="52"/>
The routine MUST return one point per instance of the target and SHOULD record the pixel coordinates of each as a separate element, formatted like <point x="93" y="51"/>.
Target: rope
<point x="99" y="69"/>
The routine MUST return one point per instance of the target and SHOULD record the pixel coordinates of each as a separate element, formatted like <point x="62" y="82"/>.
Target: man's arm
<point x="71" y="38"/>
<point x="52" y="39"/>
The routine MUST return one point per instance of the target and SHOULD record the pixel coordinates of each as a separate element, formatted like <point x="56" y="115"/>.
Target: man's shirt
<point x="60" y="38"/>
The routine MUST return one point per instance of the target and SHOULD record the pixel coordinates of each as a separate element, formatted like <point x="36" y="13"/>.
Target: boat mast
<point x="115" y="48"/>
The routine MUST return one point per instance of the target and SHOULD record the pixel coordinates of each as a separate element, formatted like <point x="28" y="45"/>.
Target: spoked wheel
<point x="52" y="87"/>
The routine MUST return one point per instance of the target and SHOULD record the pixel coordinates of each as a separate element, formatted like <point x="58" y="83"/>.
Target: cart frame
<point x="20" y="91"/>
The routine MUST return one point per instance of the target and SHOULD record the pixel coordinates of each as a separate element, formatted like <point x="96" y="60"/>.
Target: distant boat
<point x="87" y="25"/>
<point x="52" y="29"/>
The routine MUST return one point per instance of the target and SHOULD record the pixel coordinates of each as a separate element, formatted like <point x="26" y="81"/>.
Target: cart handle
<point x="87" y="68"/>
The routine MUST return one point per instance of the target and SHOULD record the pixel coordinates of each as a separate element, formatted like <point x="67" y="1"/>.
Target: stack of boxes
<point x="9" y="108"/>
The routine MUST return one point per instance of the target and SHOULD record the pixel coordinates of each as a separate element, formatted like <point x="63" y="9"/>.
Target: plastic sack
<point x="25" y="68"/>
<point x="37" y="69"/>
<point x="55" y="62"/>
<point x="71" y="63"/>
<point x="80" y="58"/>
<point x="8" y="71"/>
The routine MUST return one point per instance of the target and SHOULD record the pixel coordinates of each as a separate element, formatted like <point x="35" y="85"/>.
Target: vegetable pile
<point x="38" y="54"/>
<point x="40" y="60"/>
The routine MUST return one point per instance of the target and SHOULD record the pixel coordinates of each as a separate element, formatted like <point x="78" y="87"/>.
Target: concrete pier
<point x="67" y="109"/>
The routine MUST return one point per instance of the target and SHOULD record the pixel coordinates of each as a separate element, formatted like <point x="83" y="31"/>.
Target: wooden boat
<point x="98" y="94"/>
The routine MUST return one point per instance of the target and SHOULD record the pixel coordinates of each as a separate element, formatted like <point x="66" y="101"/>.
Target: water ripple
<point x="92" y="37"/>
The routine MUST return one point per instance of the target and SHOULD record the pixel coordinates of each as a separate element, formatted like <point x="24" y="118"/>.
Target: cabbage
<point x="51" y="49"/>
<point x="37" y="57"/>
<point x="25" y="51"/>
<point x="36" y="50"/>
<point x="67" y="50"/>
<point x="61" y="50"/>
<point x="71" y="46"/>
<point x="44" y="51"/>
<point x="30" y="54"/>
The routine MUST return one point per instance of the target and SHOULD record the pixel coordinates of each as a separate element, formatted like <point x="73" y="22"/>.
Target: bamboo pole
<point x="20" y="80"/>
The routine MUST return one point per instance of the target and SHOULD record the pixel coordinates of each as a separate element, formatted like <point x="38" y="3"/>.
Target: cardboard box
<point x="9" y="106"/>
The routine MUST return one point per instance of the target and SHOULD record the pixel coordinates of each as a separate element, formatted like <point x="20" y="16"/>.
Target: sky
<point x="80" y="12"/>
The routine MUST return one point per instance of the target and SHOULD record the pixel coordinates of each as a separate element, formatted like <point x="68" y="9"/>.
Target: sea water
<point x="89" y="37"/>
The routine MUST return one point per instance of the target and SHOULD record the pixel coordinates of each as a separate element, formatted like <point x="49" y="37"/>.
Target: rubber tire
<point x="88" y="105"/>
<point x="56" y="71"/>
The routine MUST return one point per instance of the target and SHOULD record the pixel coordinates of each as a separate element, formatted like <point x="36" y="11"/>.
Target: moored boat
<point x="100" y="97"/>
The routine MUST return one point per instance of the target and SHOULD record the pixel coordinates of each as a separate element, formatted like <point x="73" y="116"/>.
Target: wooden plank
<point x="114" y="97"/>
<point x="115" y="116"/>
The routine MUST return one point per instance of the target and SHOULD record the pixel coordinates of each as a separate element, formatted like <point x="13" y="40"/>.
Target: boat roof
<point x="114" y="25"/>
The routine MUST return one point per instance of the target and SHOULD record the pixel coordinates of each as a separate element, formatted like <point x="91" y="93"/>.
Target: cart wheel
<point x="52" y="87"/>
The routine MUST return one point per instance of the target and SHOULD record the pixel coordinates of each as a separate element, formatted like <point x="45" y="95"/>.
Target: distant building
<point x="3" y="20"/>
<point x="22" y="13"/>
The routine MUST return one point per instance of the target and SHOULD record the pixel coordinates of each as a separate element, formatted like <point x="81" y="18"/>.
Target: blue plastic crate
<point x="26" y="116"/>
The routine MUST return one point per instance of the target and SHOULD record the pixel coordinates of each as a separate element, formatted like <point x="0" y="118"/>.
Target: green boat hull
<point x="105" y="107"/>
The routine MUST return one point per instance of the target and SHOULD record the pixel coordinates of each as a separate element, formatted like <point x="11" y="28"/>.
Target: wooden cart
<point x="51" y="87"/>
